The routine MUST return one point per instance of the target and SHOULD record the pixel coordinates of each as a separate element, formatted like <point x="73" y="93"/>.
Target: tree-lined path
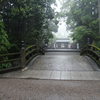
<point x="28" y="71"/>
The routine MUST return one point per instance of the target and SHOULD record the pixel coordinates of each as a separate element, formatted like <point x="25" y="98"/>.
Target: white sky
<point x="62" y="32"/>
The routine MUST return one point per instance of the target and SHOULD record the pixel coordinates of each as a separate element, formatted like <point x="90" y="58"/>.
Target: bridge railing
<point x="93" y="52"/>
<point x="28" y="54"/>
<point x="14" y="61"/>
<point x="9" y="61"/>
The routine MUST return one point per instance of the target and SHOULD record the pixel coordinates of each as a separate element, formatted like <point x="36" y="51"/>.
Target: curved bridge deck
<point x="59" y="65"/>
<point x="64" y="61"/>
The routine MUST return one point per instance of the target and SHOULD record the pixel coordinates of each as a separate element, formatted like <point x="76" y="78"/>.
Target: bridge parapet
<point x="14" y="61"/>
<point x="10" y="61"/>
<point x="93" y="52"/>
<point x="28" y="54"/>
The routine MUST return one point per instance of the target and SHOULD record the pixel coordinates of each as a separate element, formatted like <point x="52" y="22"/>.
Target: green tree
<point x="27" y="19"/>
<point x="4" y="43"/>
<point x="82" y="19"/>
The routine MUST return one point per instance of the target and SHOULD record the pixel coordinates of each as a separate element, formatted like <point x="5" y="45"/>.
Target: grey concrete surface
<point x="64" y="61"/>
<point x="55" y="75"/>
<point x="21" y="89"/>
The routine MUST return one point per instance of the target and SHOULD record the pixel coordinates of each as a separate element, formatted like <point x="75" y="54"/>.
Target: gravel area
<point x="29" y="89"/>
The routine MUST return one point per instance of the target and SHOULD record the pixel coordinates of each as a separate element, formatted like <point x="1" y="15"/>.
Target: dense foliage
<point x="31" y="21"/>
<point x="26" y="20"/>
<point x="4" y="43"/>
<point x="82" y="19"/>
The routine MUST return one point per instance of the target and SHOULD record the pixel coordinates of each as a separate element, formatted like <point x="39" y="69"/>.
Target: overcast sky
<point x="62" y="32"/>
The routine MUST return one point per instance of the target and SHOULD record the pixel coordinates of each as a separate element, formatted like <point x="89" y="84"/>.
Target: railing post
<point x="22" y="55"/>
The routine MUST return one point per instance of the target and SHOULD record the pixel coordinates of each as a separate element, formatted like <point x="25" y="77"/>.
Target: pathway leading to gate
<point x="61" y="66"/>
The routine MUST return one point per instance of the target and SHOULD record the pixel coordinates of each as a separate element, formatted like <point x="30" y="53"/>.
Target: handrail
<point x="93" y="52"/>
<point x="95" y="47"/>
<point x="28" y="54"/>
<point x="6" y="61"/>
<point x="21" y="58"/>
<point x="9" y="54"/>
<point x="29" y="47"/>
<point x="11" y="58"/>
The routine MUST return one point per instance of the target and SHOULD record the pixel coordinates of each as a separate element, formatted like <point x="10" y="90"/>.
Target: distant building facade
<point x="63" y="43"/>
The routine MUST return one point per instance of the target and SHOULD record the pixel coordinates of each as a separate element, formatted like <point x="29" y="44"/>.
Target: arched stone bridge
<point x="59" y="65"/>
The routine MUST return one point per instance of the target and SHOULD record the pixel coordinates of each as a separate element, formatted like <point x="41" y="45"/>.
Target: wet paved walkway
<point x="64" y="61"/>
<point x="22" y="89"/>
<point x="60" y="66"/>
